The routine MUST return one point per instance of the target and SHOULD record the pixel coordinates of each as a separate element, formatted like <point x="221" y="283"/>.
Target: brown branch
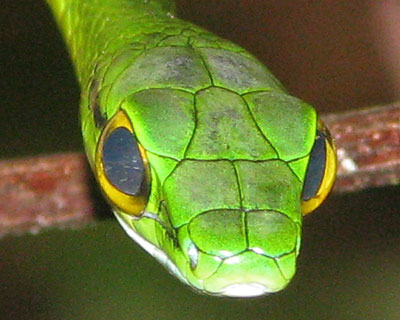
<point x="44" y="191"/>
<point x="368" y="147"/>
<point x="54" y="191"/>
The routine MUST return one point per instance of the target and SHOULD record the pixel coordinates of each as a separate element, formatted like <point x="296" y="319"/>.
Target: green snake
<point x="206" y="160"/>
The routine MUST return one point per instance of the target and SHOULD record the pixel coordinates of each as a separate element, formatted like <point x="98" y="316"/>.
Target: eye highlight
<point x="321" y="170"/>
<point x="122" y="167"/>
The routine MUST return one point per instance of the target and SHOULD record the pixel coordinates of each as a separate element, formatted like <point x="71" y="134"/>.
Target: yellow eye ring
<point x="327" y="174"/>
<point x="132" y="203"/>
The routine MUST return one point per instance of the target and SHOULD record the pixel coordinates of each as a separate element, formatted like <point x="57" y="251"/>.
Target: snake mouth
<point x="246" y="275"/>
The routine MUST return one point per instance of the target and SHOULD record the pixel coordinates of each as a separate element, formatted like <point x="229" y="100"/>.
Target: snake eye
<point x="121" y="166"/>
<point x="321" y="170"/>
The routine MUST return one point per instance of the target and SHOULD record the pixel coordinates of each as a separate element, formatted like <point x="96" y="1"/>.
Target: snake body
<point x="206" y="160"/>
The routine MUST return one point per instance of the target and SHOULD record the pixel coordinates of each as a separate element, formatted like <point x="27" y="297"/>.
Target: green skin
<point x="227" y="146"/>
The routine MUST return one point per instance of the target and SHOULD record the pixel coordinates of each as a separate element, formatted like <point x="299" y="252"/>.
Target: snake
<point x="206" y="160"/>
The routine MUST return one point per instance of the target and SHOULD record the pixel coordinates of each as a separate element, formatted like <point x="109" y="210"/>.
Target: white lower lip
<point x="152" y="249"/>
<point x="244" y="290"/>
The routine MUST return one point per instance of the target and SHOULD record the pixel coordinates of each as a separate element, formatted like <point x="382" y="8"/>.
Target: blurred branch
<point x="54" y="191"/>
<point x="368" y="147"/>
<point x="44" y="191"/>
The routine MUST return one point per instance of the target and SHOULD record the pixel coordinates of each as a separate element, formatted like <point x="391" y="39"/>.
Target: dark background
<point x="336" y="55"/>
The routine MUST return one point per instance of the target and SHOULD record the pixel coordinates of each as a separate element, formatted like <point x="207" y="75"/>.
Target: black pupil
<point x="123" y="165"/>
<point x="316" y="167"/>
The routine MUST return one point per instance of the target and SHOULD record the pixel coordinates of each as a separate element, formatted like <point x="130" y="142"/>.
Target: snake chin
<point x="244" y="290"/>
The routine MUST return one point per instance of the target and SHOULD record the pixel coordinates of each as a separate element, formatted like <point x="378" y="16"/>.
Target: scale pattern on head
<point x="226" y="150"/>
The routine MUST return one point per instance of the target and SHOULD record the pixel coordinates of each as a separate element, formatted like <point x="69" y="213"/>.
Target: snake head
<point x="212" y="181"/>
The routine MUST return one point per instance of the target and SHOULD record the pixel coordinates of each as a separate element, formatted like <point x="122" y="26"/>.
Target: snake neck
<point x="91" y="31"/>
